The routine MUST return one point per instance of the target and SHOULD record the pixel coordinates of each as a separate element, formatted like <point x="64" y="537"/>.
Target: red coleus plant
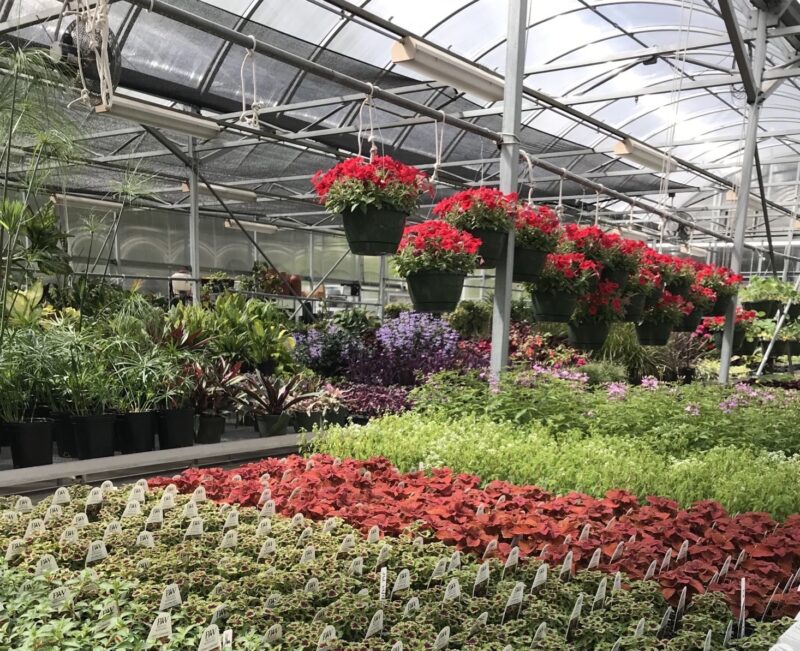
<point x="603" y="305"/>
<point x="569" y="273"/>
<point x="713" y="324"/>
<point x="358" y="184"/>
<point x="689" y="546"/>
<point x="537" y="227"/>
<point x="671" y="308"/>
<point x="436" y="246"/>
<point x="719" y="279"/>
<point x="478" y="208"/>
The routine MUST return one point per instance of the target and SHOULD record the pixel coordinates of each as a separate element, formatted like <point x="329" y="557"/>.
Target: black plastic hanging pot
<point x="176" y="428"/>
<point x="373" y="232"/>
<point x="769" y="308"/>
<point x="553" y="308"/>
<point x="138" y="432"/>
<point x="747" y="347"/>
<point x="681" y="287"/>
<point x="528" y="264"/>
<point x="618" y="276"/>
<point x="589" y="335"/>
<point x="94" y="435"/>
<point x="653" y="334"/>
<point x="721" y="306"/>
<point x="690" y="322"/>
<point x="493" y="246"/>
<point x="31" y="442"/>
<point x="738" y="340"/>
<point x="272" y="424"/>
<point x="635" y="308"/>
<point x="210" y="428"/>
<point x="435" y="291"/>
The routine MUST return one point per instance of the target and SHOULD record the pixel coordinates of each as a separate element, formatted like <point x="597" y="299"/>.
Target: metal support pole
<point x="509" y="168"/>
<point x="321" y="280"/>
<point x="792" y="223"/>
<point x="748" y="158"/>
<point x="194" y="222"/>
<point x="382" y="287"/>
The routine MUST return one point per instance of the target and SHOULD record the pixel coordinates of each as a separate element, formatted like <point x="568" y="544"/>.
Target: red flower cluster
<point x="540" y="218"/>
<point x="689" y="546"/>
<point x="723" y="281"/>
<point x="571" y="266"/>
<point x="670" y="301"/>
<point x="438" y="236"/>
<point x="381" y="172"/>
<point x="481" y="198"/>
<point x="702" y="297"/>
<point x="742" y="319"/>
<point x="604" y="303"/>
<point x="648" y="278"/>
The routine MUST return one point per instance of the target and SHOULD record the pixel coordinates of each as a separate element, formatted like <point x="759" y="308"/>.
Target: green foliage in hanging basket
<point x="436" y="246"/>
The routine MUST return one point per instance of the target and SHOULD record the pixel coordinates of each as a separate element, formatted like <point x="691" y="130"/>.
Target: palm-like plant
<point x="265" y="396"/>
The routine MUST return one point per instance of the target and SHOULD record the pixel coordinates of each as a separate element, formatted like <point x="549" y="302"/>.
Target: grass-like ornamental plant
<point x="436" y="246"/>
<point x="485" y="208"/>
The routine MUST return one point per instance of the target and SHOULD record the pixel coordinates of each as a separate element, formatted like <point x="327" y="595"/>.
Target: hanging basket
<point x="721" y="306"/>
<point x="553" y="308"/>
<point x="738" y="341"/>
<point x="653" y="334"/>
<point x="653" y="298"/>
<point x="635" y="308"/>
<point x="493" y="246"/>
<point x="374" y="232"/>
<point x="435" y="291"/>
<point x="680" y="287"/>
<point x="769" y="308"/>
<point x="589" y="335"/>
<point x="690" y="322"/>
<point x="618" y="276"/>
<point x="528" y="264"/>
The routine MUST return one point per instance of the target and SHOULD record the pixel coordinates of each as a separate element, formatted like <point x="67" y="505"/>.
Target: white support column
<point x="194" y="222"/>
<point x="509" y="167"/>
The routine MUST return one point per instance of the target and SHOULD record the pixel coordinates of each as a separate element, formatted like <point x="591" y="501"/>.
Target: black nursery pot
<point x="138" y="432"/>
<point x="493" y="246"/>
<point x="31" y="442"/>
<point x="690" y="322"/>
<point x="528" y="264"/>
<point x="653" y="334"/>
<point x="210" y="428"/>
<point x="176" y="428"/>
<point x="374" y="232"/>
<point x="304" y="422"/>
<point x="618" y="276"/>
<point x="721" y="306"/>
<point x="64" y="435"/>
<point x="337" y="416"/>
<point x="435" y="291"/>
<point x="588" y="336"/>
<point x="635" y="308"/>
<point x="769" y="308"/>
<point x="553" y="308"/>
<point x="738" y="340"/>
<point x="94" y="435"/>
<point x="272" y="424"/>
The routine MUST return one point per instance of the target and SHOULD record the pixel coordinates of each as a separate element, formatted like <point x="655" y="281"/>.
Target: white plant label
<point x="267" y="549"/>
<point x="156" y="516"/>
<point x="227" y="639"/>
<point x="10" y="517"/>
<point x="59" y="598"/>
<point x="374" y="534"/>
<point x="167" y="501"/>
<point x="384" y="579"/>
<point x="113" y="528"/>
<point x="171" y="489"/>
<point x="439" y="570"/>
<point x="309" y="555"/>
<point x="230" y="540"/>
<point x="35" y="527"/>
<point x="143" y="564"/>
<point x="189" y="510"/>
<point x="97" y="552"/>
<point x="266" y="495"/>
<point x="195" y="528"/>
<point x="594" y="561"/>
<point x="45" y="565"/>
<point x="145" y="539"/>
<point x="418" y="542"/>
<point x="411" y="606"/>
<point x="133" y="509"/>
<point x="107" y="487"/>
<point x="490" y="549"/>
<point x="220" y="614"/>
<point x="95" y="497"/>
<point x="264" y="528"/>
<point x="210" y="640"/>
<point x="356" y="567"/>
<point x="587" y="529"/>
<point x="14" y="549"/>
<point x="268" y="510"/>
<point x="442" y="640"/>
<point x="312" y="585"/>
<point x="273" y="600"/>
<point x="540" y="578"/>
<point x="348" y="543"/>
<point x="274" y="634"/>
<point x="264" y="479"/>
<point x="330" y="525"/>
<point x="107" y="614"/>
<point x="61" y="496"/>
<point x="480" y="621"/>
<point x="23" y="505"/>
<point x="199" y="495"/>
<point x="68" y="537"/>
<point x="328" y="635"/>
<point x="452" y="591"/>
<point x="651" y="571"/>
<point x="617" y="583"/>
<point x="161" y="628"/>
<point x="137" y="494"/>
<point x="54" y="511"/>
<point x="566" y="568"/>
<point x="617" y="552"/>
<point x="383" y="555"/>
<point x="297" y="520"/>
<point x="375" y="624"/>
<point x="577" y="608"/>
<point x="305" y="535"/>
<point x="402" y="582"/>
<point x="171" y="597"/>
<point x="482" y="575"/>
<point x="231" y="520"/>
<point x="513" y="559"/>
<point x="397" y="646"/>
<point x="600" y="595"/>
<point x="516" y="596"/>
<point x="455" y="561"/>
<point x="480" y="510"/>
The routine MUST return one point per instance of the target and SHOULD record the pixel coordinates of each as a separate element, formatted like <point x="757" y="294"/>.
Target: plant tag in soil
<point x="330" y="525"/>
<point x="439" y="571"/>
<point x="189" y="510"/>
<point x="210" y="640"/>
<point x="617" y="583"/>
<point x="617" y="552"/>
<point x="227" y="639"/>
<point x="10" y="517"/>
<point x="156" y="516"/>
<point x="455" y="561"/>
<point x="356" y="567"/>
<point x="107" y="487"/>
<point x="585" y="532"/>
<point x="132" y="509"/>
<point x="137" y="494"/>
<point x="402" y="582"/>
<point x="540" y="578"/>
<point x="651" y="571"/>
<point x="512" y="561"/>
<point x="61" y="496"/>
<point x="312" y="585"/>
<point x="309" y="555"/>
<point x="374" y="534"/>
<point x="479" y="623"/>
<point x="442" y="640"/>
<point x="97" y="552"/>
<point x="95" y="497"/>
<point x="268" y="510"/>
<point x="231" y="520"/>
<point x="105" y="617"/>
<point x="54" y="512"/>
<point x="375" y="625"/>
<point x="491" y="547"/>
<point x="397" y="646"/>
<point x="172" y="489"/>
<point x="45" y="565"/>
<point x="384" y="579"/>
<point x="452" y="591"/>
<point x="566" y="568"/>
<point x="412" y="605"/>
<point x="663" y="628"/>
<point x="683" y="552"/>
<point x="161" y="628"/>
<point x="199" y="495"/>
<point x="481" y="576"/>
<point x="264" y="479"/>
<point x="600" y="596"/>
<point x="297" y="520"/>
<point x="264" y="528"/>
<point x="195" y="528"/>
<point x="594" y="561"/>
<point x="59" y="598"/>
<point x="273" y="600"/>
<point x="328" y="635"/>
<point x="514" y="599"/>
<point x="574" y="617"/>
<point x="23" y="505"/>
<point x="267" y="549"/>
<point x="113" y="528"/>
<point x="220" y="614"/>
<point x="230" y="539"/>
<point x="418" y="542"/>
<point x="305" y="534"/>
<point x="274" y="634"/>
<point x="266" y="495"/>
<point x="540" y="633"/>
<point x="348" y="543"/>
<point x="145" y="539"/>
<point x="617" y="645"/>
<point x="68" y="537"/>
<point x="639" y="632"/>
<point x="383" y="555"/>
<point x="35" y="527"/>
<point x="707" y="643"/>
<point x="171" y="597"/>
<point x="143" y="564"/>
<point x="480" y="510"/>
<point x="728" y="634"/>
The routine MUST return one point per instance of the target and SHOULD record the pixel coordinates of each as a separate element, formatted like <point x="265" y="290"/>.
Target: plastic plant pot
<point x="493" y="246"/>
<point x="528" y="264"/>
<point x="374" y="232"/>
<point x="653" y="334"/>
<point x="588" y="335"/>
<point x="31" y="442"/>
<point x="553" y="308"/>
<point x="435" y="291"/>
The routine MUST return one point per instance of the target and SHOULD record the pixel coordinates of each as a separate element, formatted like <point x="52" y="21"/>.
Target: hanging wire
<point x="368" y="103"/>
<point x="560" y="207"/>
<point x="438" y="145"/>
<point x="531" y="180"/>
<point x="597" y="209"/>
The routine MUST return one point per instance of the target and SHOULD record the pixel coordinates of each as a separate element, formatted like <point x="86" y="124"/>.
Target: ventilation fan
<point x="77" y="48"/>
<point x="681" y="232"/>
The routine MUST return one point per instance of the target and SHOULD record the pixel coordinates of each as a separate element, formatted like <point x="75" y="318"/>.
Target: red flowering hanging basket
<point x="537" y="235"/>
<point x="565" y="276"/>
<point x="434" y="258"/>
<point x="374" y="198"/>
<point x="588" y="335"/>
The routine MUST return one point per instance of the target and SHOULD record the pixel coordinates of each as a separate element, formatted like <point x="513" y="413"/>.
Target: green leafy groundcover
<point x="306" y="580"/>
<point x="741" y="479"/>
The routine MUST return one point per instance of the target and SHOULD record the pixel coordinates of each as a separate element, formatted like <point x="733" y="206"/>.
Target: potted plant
<point x="269" y="400"/>
<point x="701" y="299"/>
<point x="646" y="284"/>
<point x="594" y="313"/>
<point x="679" y="275"/>
<point x="365" y="401"/>
<point x="323" y="406"/>
<point x="723" y="282"/>
<point x="485" y="213"/>
<point x="537" y="233"/>
<point x="658" y="321"/>
<point x="565" y="276"/>
<point x="617" y="257"/>
<point x="766" y="295"/>
<point x="434" y="258"/>
<point x="744" y="320"/>
<point x="176" y="414"/>
<point x="374" y="198"/>
<point x="215" y="383"/>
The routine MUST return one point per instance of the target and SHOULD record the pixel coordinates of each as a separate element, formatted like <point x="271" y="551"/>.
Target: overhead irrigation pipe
<point x="251" y="43"/>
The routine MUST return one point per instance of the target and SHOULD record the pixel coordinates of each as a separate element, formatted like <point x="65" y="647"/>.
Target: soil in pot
<point x="528" y="264"/>
<point x="653" y="334"/>
<point x="210" y="428"/>
<point x="176" y="428"/>
<point x="553" y="308"/>
<point x="272" y="424"/>
<point x="304" y="422"/>
<point x="374" y="232"/>
<point x="588" y="335"/>
<point x="94" y="435"/>
<point x="435" y="291"/>
<point x="31" y="442"/>
<point x="138" y="432"/>
<point x="635" y="308"/>
<point x="492" y="248"/>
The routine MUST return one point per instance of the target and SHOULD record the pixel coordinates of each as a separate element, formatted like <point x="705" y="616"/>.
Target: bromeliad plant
<point x="436" y="246"/>
<point x="478" y="208"/>
<point x="216" y="382"/>
<point x="264" y="396"/>
<point x="567" y="273"/>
